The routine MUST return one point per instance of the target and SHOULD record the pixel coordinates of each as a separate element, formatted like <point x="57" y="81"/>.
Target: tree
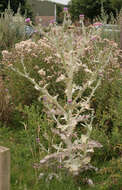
<point x="92" y="8"/>
<point x="2" y="5"/>
<point x="117" y="4"/>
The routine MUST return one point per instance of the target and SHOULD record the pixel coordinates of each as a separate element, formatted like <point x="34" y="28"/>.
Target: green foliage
<point x="20" y="89"/>
<point x="116" y="4"/>
<point x="87" y="8"/>
<point x="35" y="122"/>
<point x="106" y="102"/>
<point x="92" y="8"/>
<point x="112" y="145"/>
<point x="14" y="4"/>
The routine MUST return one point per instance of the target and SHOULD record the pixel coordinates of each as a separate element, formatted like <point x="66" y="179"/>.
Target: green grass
<point x="24" y="177"/>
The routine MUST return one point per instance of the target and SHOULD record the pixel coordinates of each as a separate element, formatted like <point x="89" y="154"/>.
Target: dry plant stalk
<point x="121" y="31"/>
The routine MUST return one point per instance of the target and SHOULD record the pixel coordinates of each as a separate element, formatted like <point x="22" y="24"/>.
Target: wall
<point x="43" y="10"/>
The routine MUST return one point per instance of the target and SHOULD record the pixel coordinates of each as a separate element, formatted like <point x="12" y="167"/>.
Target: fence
<point x="4" y="168"/>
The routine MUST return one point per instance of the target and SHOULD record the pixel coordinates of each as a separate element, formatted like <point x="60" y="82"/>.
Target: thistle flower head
<point x="27" y="20"/>
<point x="93" y="38"/>
<point x="44" y="98"/>
<point x="97" y="24"/>
<point x="35" y="31"/>
<point x="38" y="140"/>
<point x="52" y="21"/>
<point x="65" y="9"/>
<point x="81" y="15"/>
<point x="69" y="101"/>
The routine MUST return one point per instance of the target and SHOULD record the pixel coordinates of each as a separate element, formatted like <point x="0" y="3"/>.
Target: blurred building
<point x="45" y="10"/>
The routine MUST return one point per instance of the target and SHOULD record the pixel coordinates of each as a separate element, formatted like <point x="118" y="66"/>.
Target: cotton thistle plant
<point x="74" y="150"/>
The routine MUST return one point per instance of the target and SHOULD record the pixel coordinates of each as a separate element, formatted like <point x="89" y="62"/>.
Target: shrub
<point x="38" y="56"/>
<point x="12" y="29"/>
<point x="87" y="8"/>
<point x="73" y="54"/>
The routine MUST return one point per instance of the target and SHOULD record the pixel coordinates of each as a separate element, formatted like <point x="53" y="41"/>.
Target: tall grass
<point x="111" y="25"/>
<point x="12" y="28"/>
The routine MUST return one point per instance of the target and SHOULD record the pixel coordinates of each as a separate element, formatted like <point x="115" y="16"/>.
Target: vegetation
<point x="25" y="175"/>
<point x="12" y="29"/>
<point x="14" y="4"/>
<point x="92" y="8"/>
<point x="26" y="125"/>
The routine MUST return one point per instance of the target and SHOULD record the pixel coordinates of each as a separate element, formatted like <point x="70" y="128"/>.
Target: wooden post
<point x="121" y="31"/>
<point x="55" y="12"/>
<point x="4" y="168"/>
